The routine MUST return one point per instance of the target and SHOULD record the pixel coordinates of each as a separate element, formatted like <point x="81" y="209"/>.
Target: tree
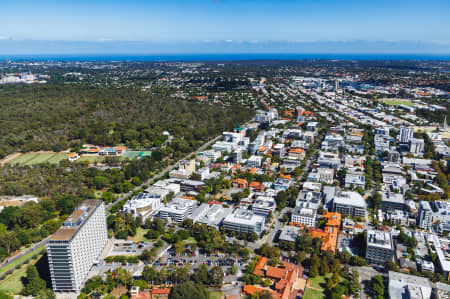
<point x="33" y="283"/>
<point x="3" y="295"/>
<point x="378" y="286"/>
<point x="300" y="257"/>
<point x="314" y="271"/>
<point x="324" y="269"/>
<point x="45" y="294"/>
<point x="201" y="275"/>
<point x="216" y="276"/>
<point x="390" y="266"/>
<point x="188" y="290"/>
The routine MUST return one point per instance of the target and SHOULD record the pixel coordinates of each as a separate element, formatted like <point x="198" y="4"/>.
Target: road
<point x="16" y="257"/>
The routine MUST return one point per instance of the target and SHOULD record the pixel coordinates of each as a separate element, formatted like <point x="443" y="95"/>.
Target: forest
<point x="56" y="117"/>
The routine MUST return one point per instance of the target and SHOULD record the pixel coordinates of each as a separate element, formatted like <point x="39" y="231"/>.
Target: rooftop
<point x="75" y="220"/>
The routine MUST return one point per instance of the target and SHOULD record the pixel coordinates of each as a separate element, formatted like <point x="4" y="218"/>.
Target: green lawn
<point x="216" y="295"/>
<point x="395" y="102"/>
<point x="12" y="284"/>
<point x="319" y="281"/>
<point x="91" y="159"/>
<point x="140" y="232"/>
<point x="56" y="158"/>
<point x="36" y="158"/>
<point x="23" y="159"/>
<point x="313" y="294"/>
<point x="190" y="240"/>
<point x="22" y="259"/>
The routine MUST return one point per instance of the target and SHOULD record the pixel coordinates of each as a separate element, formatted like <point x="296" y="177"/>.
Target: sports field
<point x="37" y="158"/>
<point x="396" y="102"/>
<point x="91" y="159"/>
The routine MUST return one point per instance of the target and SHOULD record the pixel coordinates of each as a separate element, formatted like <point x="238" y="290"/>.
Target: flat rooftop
<point x="74" y="222"/>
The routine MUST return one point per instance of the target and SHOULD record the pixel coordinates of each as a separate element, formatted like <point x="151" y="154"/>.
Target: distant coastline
<point x="223" y="57"/>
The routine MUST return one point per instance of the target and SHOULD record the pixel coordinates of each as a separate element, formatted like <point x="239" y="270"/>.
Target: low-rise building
<point x="392" y="201"/>
<point x="350" y="203"/>
<point x="178" y="209"/>
<point x="408" y="286"/>
<point x="244" y="221"/>
<point x="264" y="205"/>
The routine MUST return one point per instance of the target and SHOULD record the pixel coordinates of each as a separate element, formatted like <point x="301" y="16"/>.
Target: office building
<point x="406" y="134"/>
<point x="146" y="202"/>
<point x="392" y="201"/>
<point x="178" y="209"/>
<point x="244" y="221"/>
<point x="349" y="203"/>
<point x="416" y="146"/>
<point x="264" y="205"/>
<point x="304" y="216"/>
<point x="379" y="247"/>
<point x="76" y="245"/>
<point x="237" y="156"/>
<point x="424" y="215"/>
<point x="409" y="286"/>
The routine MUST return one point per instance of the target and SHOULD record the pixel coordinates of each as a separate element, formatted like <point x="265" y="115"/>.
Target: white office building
<point x="350" y="203"/>
<point x="178" y="209"/>
<point x="416" y="146"/>
<point x="406" y="134"/>
<point x="424" y="215"/>
<point x="146" y="202"/>
<point x="76" y="245"/>
<point x="264" y="205"/>
<point x="304" y="216"/>
<point x="244" y="221"/>
<point x="409" y="286"/>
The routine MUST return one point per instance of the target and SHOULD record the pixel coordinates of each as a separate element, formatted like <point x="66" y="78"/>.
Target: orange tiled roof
<point x="261" y="263"/>
<point x="254" y="184"/>
<point x="253" y="170"/>
<point x="333" y="218"/>
<point x="275" y="272"/>
<point x="297" y="150"/>
<point x="252" y="290"/>
<point x="262" y="148"/>
<point x="72" y="155"/>
<point x="241" y="181"/>
<point x="160" y="291"/>
<point x="285" y="176"/>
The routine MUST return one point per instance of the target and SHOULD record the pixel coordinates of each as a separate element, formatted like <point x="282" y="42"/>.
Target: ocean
<point x="224" y="57"/>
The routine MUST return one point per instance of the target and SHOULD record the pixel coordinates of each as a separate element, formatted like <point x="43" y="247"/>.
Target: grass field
<point x="22" y="259"/>
<point x="190" y="240"/>
<point x="140" y="232"/>
<point x="395" y="102"/>
<point x="313" y="294"/>
<point x="216" y="295"/>
<point x="12" y="284"/>
<point x="319" y="281"/>
<point x="36" y="158"/>
<point x="91" y="159"/>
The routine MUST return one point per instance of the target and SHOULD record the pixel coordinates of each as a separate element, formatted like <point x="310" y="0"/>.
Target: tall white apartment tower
<point x="406" y="134"/>
<point x="76" y="245"/>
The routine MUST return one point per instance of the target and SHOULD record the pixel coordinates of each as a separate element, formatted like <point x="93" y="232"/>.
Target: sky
<point x="264" y="25"/>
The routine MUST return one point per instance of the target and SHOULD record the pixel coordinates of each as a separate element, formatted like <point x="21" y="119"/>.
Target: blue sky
<point x="230" y="21"/>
